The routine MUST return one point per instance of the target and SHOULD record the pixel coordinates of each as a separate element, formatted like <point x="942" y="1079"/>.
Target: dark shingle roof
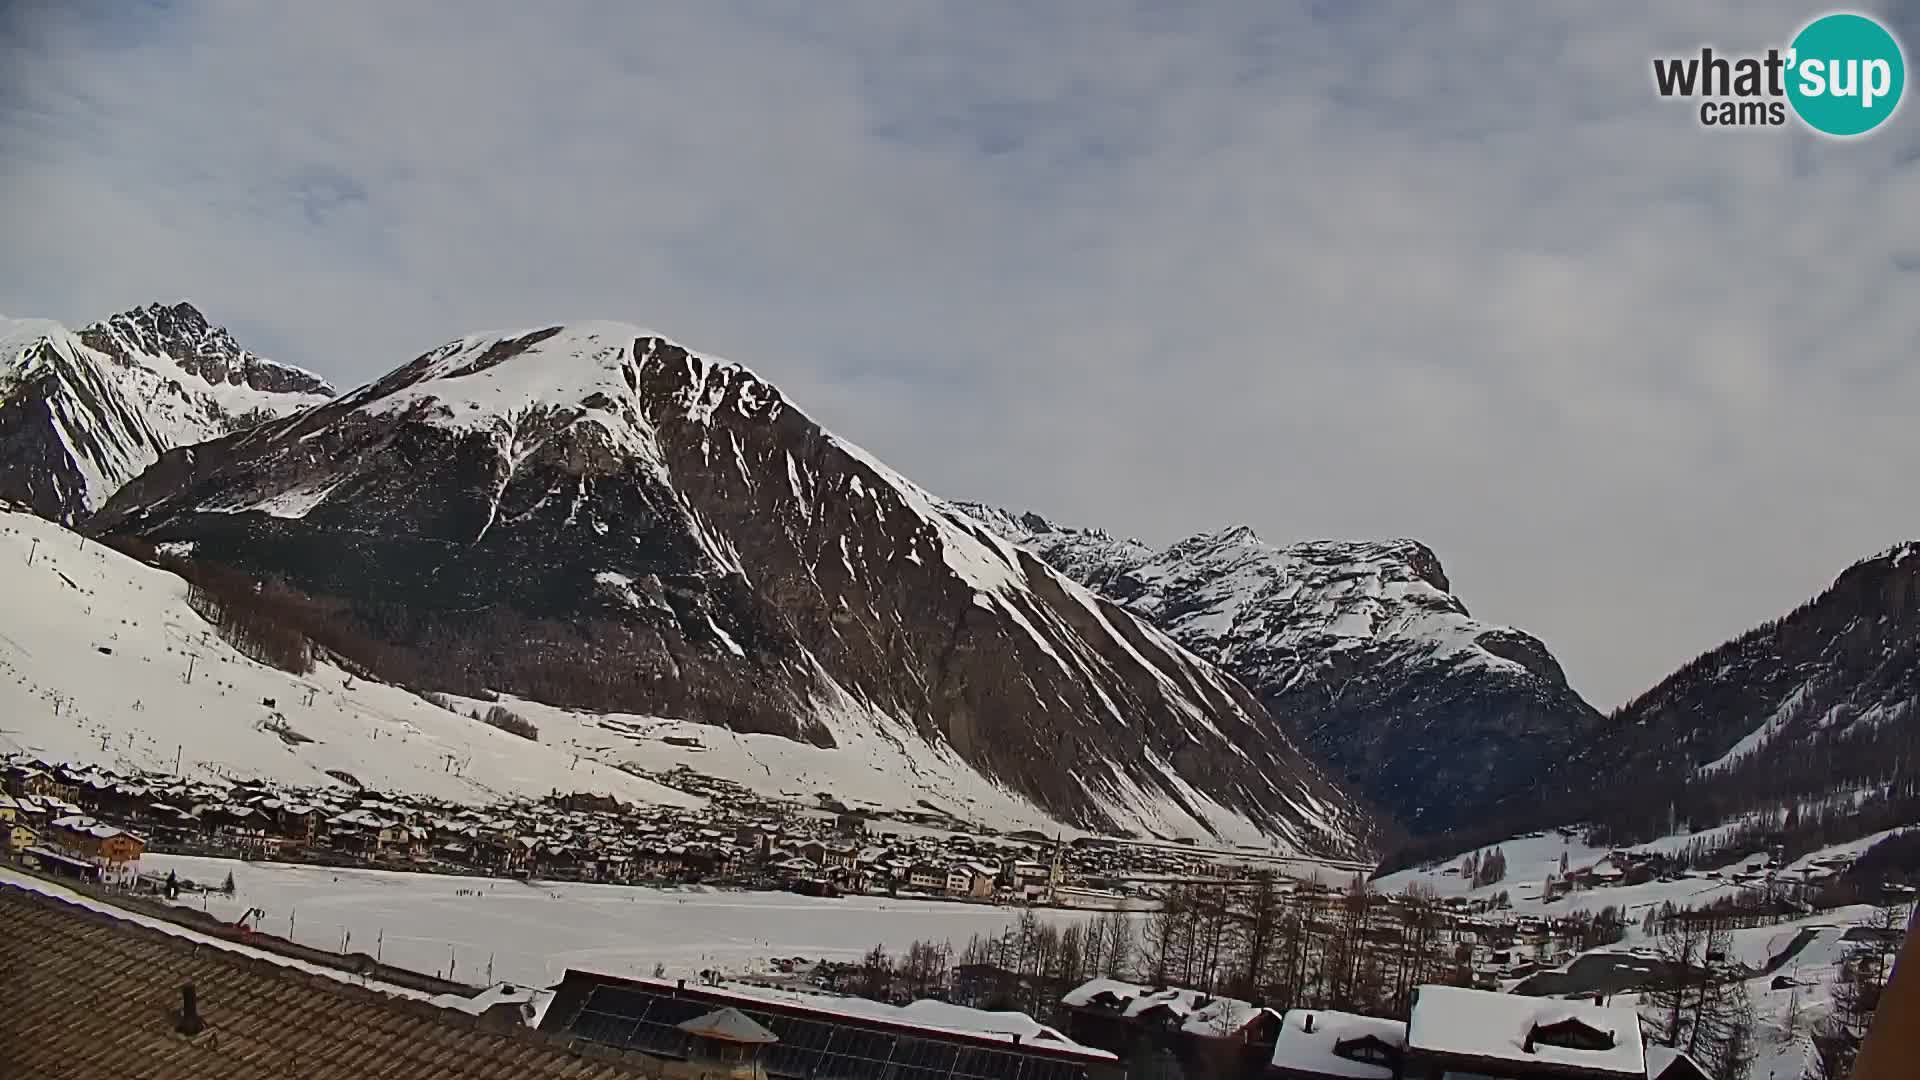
<point x="84" y="995"/>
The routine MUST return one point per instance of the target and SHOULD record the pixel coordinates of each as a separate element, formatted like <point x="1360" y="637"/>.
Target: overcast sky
<point x="1328" y="269"/>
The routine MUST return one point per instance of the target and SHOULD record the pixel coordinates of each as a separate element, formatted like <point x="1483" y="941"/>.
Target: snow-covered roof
<point x="1138" y="999"/>
<point x="1220" y="1017"/>
<point x="1312" y="1051"/>
<point x="927" y="1014"/>
<point x="1488" y="1025"/>
<point x="497" y="994"/>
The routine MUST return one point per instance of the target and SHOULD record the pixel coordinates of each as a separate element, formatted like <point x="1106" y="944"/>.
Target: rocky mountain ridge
<point x="1359" y="646"/>
<point x="82" y="412"/>
<point x="1824" y="700"/>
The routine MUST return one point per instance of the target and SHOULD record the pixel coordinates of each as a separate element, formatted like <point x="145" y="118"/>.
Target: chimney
<point x="1308" y="1025"/>
<point x="190" y="1023"/>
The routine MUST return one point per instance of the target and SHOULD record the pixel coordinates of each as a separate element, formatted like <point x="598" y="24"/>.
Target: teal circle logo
<point x="1846" y="74"/>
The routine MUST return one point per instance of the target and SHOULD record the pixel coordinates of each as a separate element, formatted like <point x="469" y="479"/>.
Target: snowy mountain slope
<point x="1428" y="712"/>
<point x="595" y="517"/>
<point x="82" y="413"/>
<point x="1825" y="699"/>
<point x="94" y="668"/>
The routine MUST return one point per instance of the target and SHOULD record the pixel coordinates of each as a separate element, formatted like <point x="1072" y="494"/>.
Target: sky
<point x="1331" y="270"/>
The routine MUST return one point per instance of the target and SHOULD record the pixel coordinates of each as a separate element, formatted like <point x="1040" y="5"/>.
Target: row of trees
<point x="1354" y="950"/>
<point x="608" y="664"/>
<point x="1858" y="984"/>
<point x="245" y="617"/>
<point x="1699" y="1001"/>
<point x="1488" y="869"/>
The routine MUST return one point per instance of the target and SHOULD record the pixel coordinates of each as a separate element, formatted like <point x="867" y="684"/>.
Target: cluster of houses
<point x="39" y="827"/>
<point x="1451" y="1032"/>
<point x="1112" y="1030"/>
<point x="737" y="839"/>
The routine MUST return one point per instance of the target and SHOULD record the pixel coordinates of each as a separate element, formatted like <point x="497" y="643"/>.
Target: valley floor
<point x="533" y="932"/>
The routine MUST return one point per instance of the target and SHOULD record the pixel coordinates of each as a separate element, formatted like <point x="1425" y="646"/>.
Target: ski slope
<point x="102" y="661"/>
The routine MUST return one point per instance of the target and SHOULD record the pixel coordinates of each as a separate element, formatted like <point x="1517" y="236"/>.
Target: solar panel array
<point x="822" y="1048"/>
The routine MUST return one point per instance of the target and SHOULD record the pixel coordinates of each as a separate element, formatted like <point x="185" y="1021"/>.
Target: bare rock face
<point x="596" y="517"/>
<point x="1360" y="647"/>
<point x="82" y="413"/>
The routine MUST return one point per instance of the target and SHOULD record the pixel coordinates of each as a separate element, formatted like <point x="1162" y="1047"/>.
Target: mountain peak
<point x="159" y="336"/>
<point x="1361" y="645"/>
<point x="1899" y="554"/>
<point x="1237" y="534"/>
<point x="87" y="412"/>
<point x="609" y="376"/>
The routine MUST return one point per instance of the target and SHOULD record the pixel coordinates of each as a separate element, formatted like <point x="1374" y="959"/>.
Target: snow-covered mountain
<point x="1823" y="700"/>
<point x="83" y="412"/>
<point x="595" y="517"/>
<point x="1362" y="647"/>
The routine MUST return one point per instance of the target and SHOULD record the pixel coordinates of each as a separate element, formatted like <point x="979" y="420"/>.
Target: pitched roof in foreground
<point x="84" y="995"/>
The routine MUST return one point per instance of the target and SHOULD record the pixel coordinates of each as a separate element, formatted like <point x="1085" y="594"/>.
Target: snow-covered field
<point x="532" y="933"/>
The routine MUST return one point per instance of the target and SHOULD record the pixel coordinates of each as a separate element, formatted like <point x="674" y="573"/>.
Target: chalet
<point x="829" y="855"/>
<point x="850" y="824"/>
<point x="756" y="840"/>
<point x="298" y="822"/>
<point x="395" y="840"/>
<point x="115" y="851"/>
<point x="1025" y="877"/>
<point x="701" y="860"/>
<point x="1123" y="1017"/>
<point x="30" y="780"/>
<point x="1315" y="1044"/>
<point x="927" y="877"/>
<point x="970" y="880"/>
<point x="9" y="809"/>
<point x="1456" y="1031"/>
<point x="31" y="810"/>
<point x="17" y="836"/>
<point x="1227" y="1036"/>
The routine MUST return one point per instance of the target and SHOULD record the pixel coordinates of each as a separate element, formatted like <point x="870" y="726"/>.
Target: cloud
<point x="1329" y="270"/>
